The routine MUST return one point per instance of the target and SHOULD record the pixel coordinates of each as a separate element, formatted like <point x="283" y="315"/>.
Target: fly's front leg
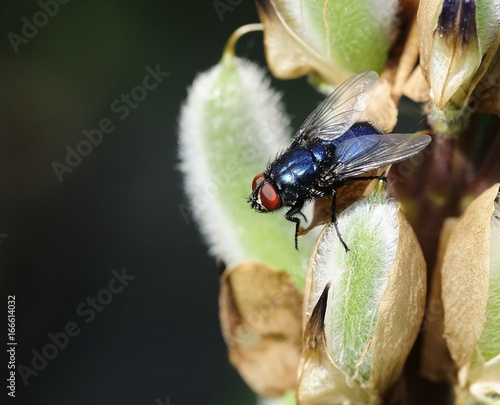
<point x="334" y="219"/>
<point x="290" y="216"/>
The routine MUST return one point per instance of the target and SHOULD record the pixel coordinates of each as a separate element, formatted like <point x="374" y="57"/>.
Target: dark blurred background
<point x="157" y="341"/>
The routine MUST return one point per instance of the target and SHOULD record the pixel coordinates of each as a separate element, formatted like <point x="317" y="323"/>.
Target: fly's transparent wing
<point x="362" y="154"/>
<point x="339" y="111"/>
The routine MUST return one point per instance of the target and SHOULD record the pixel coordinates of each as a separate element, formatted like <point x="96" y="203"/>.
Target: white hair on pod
<point x="358" y="279"/>
<point x="259" y="128"/>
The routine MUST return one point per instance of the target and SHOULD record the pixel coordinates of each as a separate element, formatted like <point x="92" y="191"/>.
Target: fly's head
<point x="264" y="197"/>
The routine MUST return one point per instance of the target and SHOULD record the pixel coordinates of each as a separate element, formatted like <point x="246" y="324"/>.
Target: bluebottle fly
<point x="332" y="148"/>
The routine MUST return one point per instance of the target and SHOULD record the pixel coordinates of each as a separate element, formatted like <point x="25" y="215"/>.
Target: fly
<point x="331" y="149"/>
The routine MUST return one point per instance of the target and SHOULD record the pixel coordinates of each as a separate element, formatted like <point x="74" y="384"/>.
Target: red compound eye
<point x="269" y="197"/>
<point x="257" y="180"/>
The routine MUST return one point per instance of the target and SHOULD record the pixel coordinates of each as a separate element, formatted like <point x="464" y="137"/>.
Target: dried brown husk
<point x="400" y="314"/>
<point x="486" y="95"/>
<point x="260" y="313"/>
<point x="401" y="310"/>
<point x="465" y="278"/>
<point x="436" y="363"/>
<point x="287" y="55"/>
<point x="479" y="385"/>
<point x="416" y="87"/>
<point x="400" y="66"/>
<point x="427" y="17"/>
<point x="382" y="111"/>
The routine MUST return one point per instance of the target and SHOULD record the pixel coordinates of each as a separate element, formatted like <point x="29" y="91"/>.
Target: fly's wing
<point x="339" y="111"/>
<point x="362" y="154"/>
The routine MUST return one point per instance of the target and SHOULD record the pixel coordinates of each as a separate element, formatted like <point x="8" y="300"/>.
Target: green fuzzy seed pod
<point x="231" y="124"/>
<point x="371" y="300"/>
<point x="335" y="39"/>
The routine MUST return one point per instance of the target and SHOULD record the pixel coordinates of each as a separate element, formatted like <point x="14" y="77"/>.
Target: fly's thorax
<point x="318" y="151"/>
<point x="293" y="173"/>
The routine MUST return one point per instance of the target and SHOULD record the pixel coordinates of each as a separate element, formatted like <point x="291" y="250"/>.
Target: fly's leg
<point x="334" y="219"/>
<point x="334" y="203"/>
<point x="348" y="179"/>
<point x="302" y="215"/>
<point x="290" y="216"/>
